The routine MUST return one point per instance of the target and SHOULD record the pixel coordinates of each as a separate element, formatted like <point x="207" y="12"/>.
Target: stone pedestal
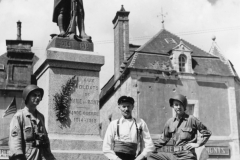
<point x="70" y="43"/>
<point x="79" y="137"/>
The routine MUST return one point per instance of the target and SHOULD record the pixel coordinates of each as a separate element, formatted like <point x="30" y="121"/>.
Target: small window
<point x="182" y="63"/>
<point x="190" y="109"/>
<point x="170" y="41"/>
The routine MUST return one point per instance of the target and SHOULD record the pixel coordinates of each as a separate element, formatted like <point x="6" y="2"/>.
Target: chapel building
<point x="167" y="65"/>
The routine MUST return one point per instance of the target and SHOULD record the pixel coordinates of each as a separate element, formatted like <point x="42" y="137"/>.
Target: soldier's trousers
<point x="183" y="155"/>
<point x="124" y="156"/>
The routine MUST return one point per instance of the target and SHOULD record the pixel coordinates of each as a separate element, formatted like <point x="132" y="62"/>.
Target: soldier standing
<point x="126" y="136"/>
<point x="183" y="130"/>
<point x="28" y="139"/>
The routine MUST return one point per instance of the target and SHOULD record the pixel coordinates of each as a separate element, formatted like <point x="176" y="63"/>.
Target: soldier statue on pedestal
<point x="68" y="14"/>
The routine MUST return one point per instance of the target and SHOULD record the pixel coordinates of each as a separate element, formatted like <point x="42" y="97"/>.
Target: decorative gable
<point x="182" y="47"/>
<point x="181" y="58"/>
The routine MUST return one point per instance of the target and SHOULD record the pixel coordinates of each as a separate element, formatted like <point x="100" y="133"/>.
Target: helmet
<point x="180" y="98"/>
<point x="29" y="89"/>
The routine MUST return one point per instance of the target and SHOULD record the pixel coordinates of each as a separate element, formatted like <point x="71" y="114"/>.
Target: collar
<point x="28" y="114"/>
<point x="122" y="119"/>
<point x="184" y="117"/>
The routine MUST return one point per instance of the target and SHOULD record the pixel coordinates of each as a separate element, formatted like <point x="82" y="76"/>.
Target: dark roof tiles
<point x="158" y="44"/>
<point x="155" y="55"/>
<point x="209" y="66"/>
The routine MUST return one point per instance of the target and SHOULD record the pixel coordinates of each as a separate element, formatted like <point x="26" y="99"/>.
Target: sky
<point x="195" y="21"/>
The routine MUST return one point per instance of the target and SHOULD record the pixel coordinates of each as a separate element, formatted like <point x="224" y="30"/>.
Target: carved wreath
<point x="63" y="99"/>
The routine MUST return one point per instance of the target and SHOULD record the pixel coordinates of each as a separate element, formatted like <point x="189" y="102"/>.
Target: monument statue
<point x="68" y="14"/>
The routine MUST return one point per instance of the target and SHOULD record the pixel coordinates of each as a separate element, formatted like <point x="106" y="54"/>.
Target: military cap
<point x="123" y="99"/>
<point x="180" y="98"/>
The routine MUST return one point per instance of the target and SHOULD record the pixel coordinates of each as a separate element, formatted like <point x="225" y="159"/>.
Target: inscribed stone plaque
<point x="84" y="109"/>
<point x="83" y="118"/>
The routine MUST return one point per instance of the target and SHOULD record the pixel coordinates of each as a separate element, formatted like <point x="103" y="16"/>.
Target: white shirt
<point x="127" y="133"/>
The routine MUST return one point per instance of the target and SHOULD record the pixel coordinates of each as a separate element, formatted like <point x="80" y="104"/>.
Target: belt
<point x="35" y="144"/>
<point x="179" y="148"/>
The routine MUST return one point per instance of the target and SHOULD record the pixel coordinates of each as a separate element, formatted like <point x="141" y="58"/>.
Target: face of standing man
<point x="32" y="95"/>
<point x="34" y="98"/>
<point x="178" y="107"/>
<point x="126" y="109"/>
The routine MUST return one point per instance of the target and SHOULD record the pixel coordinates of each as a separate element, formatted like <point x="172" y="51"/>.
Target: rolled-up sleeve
<point x="164" y="137"/>
<point x="148" y="143"/>
<point x="204" y="131"/>
<point x="108" y="142"/>
<point x="15" y="137"/>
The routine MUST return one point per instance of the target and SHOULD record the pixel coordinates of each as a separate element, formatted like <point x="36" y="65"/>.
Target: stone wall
<point x="237" y="93"/>
<point x="209" y="96"/>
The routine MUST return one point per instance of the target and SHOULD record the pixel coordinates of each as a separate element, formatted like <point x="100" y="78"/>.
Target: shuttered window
<point x="182" y="63"/>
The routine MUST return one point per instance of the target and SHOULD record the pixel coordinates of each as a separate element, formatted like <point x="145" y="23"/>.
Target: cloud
<point x="213" y="2"/>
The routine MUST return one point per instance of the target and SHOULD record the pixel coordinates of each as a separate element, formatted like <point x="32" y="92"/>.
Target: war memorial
<point x="69" y="74"/>
<point x="71" y="64"/>
<point x="77" y="112"/>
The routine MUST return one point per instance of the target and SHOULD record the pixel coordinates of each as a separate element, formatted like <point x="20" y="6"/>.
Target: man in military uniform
<point x="126" y="136"/>
<point x="183" y="130"/>
<point x="62" y="16"/>
<point x="28" y="139"/>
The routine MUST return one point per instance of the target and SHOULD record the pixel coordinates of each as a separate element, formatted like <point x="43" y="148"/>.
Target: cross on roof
<point x="163" y="15"/>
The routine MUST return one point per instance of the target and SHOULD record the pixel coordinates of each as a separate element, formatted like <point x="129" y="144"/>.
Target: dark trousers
<point x="183" y="155"/>
<point x="125" y="156"/>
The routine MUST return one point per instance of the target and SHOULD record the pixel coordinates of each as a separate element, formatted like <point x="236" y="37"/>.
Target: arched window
<point x="182" y="63"/>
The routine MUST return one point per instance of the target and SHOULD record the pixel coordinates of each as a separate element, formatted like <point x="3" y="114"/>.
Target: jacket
<point x="28" y="136"/>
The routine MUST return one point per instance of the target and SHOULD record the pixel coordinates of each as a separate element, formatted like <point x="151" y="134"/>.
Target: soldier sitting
<point x="183" y="130"/>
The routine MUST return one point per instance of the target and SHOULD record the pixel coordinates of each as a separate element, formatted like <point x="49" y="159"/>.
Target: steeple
<point x="215" y="50"/>
<point x="163" y="15"/>
<point x="163" y="24"/>
<point x="122" y="9"/>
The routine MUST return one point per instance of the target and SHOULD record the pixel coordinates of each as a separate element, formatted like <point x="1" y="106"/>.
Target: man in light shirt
<point x="127" y="138"/>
